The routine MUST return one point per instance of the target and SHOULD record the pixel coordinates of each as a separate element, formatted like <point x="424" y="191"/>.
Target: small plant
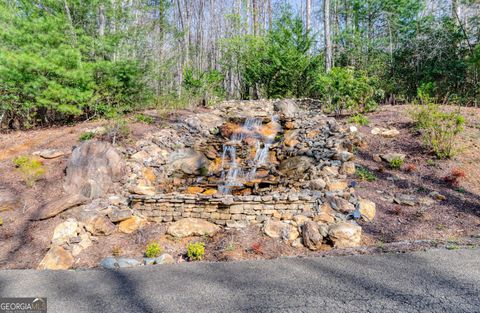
<point x="195" y="251"/>
<point x="117" y="130"/>
<point x="86" y="136"/>
<point x="455" y="176"/>
<point x="117" y="251"/>
<point x="31" y="169"/>
<point x="439" y="128"/>
<point x="359" y="119"/>
<point x="144" y="118"/>
<point x="1" y="221"/>
<point x="230" y="247"/>
<point x="257" y="248"/>
<point x="203" y="171"/>
<point x="452" y="247"/>
<point x="410" y="168"/>
<point x="430" y="162"/>
<point x="365" y="174"/>
<point x="381" y="245"/>
<point x="396" y="163"/>
<point x="153" y="250"/>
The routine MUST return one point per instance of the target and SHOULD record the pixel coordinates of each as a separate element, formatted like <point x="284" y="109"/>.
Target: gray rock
<point x="192" y="227"/>
<point x="404" y="199"/>
<point x="388" y="157"/>
<point x="186" y="161"/>
<point x="312" y="239"/>
<point x="277" y="229"/>
<point x="295" y="166"/>
<point x="49" y="153"/>
<point x="344" y="156"/>
<point x="126" y="262"/>
<point x="203" y="123"/>
<point x="165" y="259"/>
<point x="92" y="169"/>
<point x="109" y="263"/>
<point x="345" y="235"/>
<point x="318" y="184"/>
<point x="149" y="261"/>
<point x="118" y="215"/>
<point x="56" y="206"/>
<point x="286" y="107"/>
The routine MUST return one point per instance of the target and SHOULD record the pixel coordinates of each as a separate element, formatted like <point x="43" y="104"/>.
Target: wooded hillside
<point x="66" y="60"/>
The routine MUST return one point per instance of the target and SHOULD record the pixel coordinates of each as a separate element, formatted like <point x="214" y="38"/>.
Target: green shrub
<point x="153" y="250"/>
<point x="203" y="86"/>
<point x="48" y="77"/>
<point x="359" y="119"/>
<point x="277" y="65"/>
<point x="144" y="118"/>
<point x="344" y="88"/>
<point x="196" y="251"/>
<point x="365" y="174"/>
<point x="117" y="129"/>
<point x="86" y="136"/>
<point x="439" y="129"/>
<point x="31" y="169"/>
<point x="396" y="163"/>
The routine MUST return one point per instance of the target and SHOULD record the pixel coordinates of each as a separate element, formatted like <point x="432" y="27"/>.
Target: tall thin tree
<point x="327" y="35"/>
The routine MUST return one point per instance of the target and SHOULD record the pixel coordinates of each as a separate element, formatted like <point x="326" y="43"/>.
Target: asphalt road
<point x="433" y="281"/>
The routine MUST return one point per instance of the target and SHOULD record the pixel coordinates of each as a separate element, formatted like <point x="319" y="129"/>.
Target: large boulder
<point x="341" y="205"/>
<point x="287" y="108"/>
<point x="100" y="225"/>
<point x="295" y="166"/>
<point x="345" y="234"/>
<point x="203" y="123"/>
<point x="187" y="161"/>
<point x="131" y="224"/>
<point x="92" y="169"/>
<point x="367" y="209"/>
<point x="57" y="206"/>
<point x="192" y="227"/>
<point x="277" y="229"/>
<point x="57" y="258"/>
<point x="64" y="231"/>
<point x="312" y="239"/>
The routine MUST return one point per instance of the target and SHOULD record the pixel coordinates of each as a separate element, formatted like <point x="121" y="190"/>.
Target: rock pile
<point x="290" y="164"/>
<point x="178" y="172"/>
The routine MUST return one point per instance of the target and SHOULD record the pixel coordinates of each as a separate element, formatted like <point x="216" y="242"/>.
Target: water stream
<point x="236" y="176"/>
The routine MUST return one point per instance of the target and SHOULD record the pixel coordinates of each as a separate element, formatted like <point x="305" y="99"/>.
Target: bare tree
<point x="255" y="16"/>
<point x="101" y="20"/>
<point x="327" y="35"/>
<point x="308" y="14"/>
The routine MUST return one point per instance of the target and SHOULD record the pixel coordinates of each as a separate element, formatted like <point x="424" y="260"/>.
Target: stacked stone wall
<point x="225" y="210"/>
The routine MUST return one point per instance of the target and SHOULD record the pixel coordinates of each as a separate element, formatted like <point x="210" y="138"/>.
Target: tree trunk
<point x="308" y="14"/>
<point x="255" y="17"/>
<point x="101" y="20"/>
<point x="327" y="35"/>
<point x="454" y="10"/>
<point x="269" y="9"/>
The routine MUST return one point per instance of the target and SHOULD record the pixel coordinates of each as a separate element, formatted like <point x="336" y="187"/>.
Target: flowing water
<point x="236" y="176"/>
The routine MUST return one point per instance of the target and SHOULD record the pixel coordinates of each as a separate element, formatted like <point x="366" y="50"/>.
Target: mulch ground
<point x="454" y="222"/>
